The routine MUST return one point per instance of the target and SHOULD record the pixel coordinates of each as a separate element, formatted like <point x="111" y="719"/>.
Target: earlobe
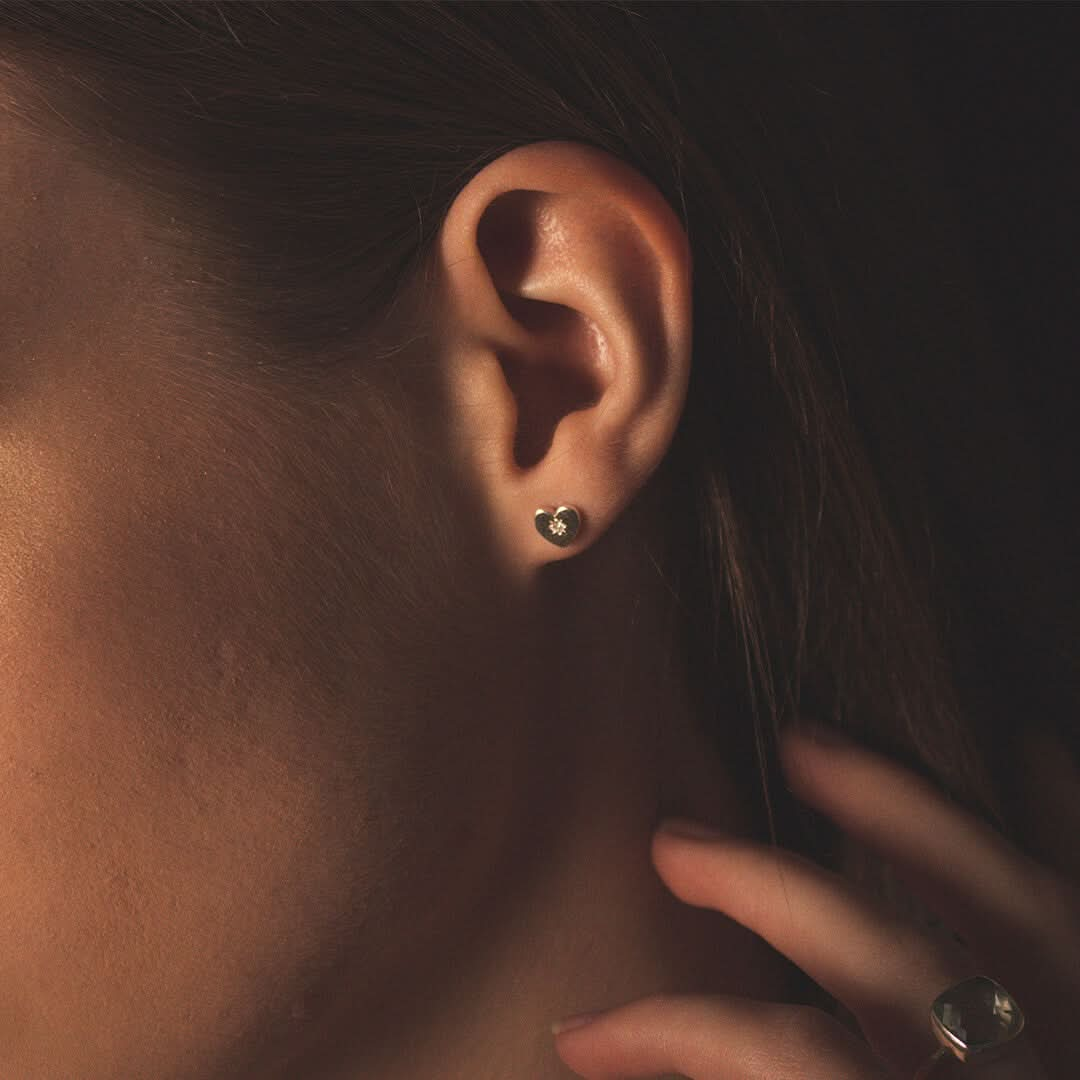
<point x="565" y="285"/>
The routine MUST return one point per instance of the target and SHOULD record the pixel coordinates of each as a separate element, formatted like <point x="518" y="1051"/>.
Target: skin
<point x="312" y="761"/>
<point x="1020" y="917"/>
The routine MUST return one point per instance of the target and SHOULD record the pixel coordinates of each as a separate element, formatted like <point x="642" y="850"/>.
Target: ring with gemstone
<point x="973" y="1020"/>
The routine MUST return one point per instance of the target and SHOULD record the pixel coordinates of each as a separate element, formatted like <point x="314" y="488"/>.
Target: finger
<point x="1015" y="913"/>
<point x="959" y="866"/>
<point x="718" y="1037"/>
<point x="1051" y="803"/>
<point x="886" y="970"/>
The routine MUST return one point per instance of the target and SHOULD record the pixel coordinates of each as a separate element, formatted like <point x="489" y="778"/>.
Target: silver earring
<point x="561" y="527"/>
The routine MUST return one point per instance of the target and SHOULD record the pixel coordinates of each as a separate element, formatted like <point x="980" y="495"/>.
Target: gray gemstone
<point x="976" y="1016"/>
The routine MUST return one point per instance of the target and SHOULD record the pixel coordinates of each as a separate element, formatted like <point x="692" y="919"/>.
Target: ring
<point x="973" y="1020"/>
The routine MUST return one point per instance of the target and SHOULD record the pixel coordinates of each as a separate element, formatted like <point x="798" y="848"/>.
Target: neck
<point x="569" y="914"/>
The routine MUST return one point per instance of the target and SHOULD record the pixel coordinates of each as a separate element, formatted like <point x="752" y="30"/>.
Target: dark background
<point x="951" y="133"/>
<point x="974" y="108"/>
<point x="999" y="86"/>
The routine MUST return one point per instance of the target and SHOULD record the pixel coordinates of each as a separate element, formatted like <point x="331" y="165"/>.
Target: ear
<point x="564" y="286"/>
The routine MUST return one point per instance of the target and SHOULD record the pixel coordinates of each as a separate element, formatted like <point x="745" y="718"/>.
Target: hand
<point x="1019" y="918"/>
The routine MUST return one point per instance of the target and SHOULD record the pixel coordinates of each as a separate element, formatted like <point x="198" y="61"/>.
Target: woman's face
<point x="226" y="681"/>
<point x="294" y="754"/>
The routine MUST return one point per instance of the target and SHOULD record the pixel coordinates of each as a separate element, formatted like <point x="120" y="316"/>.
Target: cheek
<point x="168" y="853"/>
<point x="194" y="818"/>
<point x="145" y="848"/>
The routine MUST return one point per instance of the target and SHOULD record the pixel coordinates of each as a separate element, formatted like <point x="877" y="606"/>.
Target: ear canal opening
<point x="545" y="392"/>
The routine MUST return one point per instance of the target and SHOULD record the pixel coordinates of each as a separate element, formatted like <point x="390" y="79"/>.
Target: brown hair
<point x="300" y="157"/>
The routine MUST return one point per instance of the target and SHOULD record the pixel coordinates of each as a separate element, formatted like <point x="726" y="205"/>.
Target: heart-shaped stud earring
<point x="561" y="527"/>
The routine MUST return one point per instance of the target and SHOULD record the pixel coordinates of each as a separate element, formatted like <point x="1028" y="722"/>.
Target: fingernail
<point x="693" y="830"/>
<point x="571" y="1022"/>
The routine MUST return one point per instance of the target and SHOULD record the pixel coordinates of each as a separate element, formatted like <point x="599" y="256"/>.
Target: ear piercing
<point x="561" y="527"/>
